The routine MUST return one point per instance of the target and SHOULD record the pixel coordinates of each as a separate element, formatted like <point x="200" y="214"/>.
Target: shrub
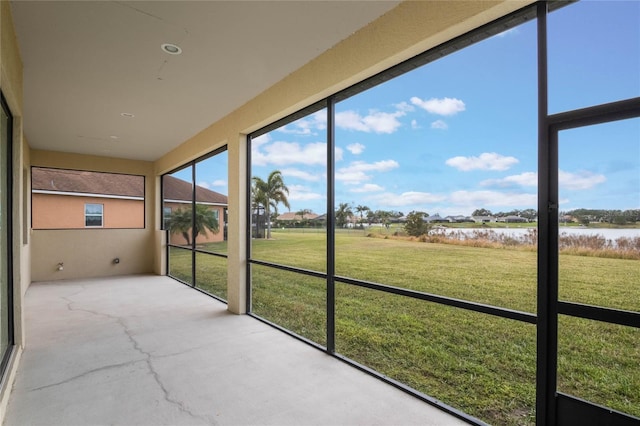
<point x="415" y="225"/>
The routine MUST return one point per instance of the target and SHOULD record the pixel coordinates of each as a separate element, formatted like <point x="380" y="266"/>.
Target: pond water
<point x="519" y="233"/>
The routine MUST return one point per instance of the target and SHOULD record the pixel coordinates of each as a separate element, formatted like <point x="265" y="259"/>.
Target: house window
<point x="93" y="215"/>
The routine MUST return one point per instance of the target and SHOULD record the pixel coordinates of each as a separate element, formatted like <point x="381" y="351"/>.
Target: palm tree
<point x="181" y="221"/>
<point x="269" y="194"/>
<point x="205" y="221"/>
<point x="301" y="213"/>
<point x="343" y="213"/>
<point x="361" y="209"/>
<point x="258" y="201"/>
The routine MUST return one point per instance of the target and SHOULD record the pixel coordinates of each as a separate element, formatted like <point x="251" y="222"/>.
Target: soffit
<point x="85" y="63"/>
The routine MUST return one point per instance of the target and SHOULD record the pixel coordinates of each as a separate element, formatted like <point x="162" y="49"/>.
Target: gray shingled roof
<point x="178" y="189"/>
<point x="60" y="180"/>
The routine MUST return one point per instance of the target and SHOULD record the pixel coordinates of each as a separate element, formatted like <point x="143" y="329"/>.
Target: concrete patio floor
<point x="148" y="350"/>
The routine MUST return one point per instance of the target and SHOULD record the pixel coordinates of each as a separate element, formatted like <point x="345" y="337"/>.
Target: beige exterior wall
<point x="67" y="212"/>
<point x="11" y="86"/>
<point x="90" y="252"/>
<point x="405" y="31"/>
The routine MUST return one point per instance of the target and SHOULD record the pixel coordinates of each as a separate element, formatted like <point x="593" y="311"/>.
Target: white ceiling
<point x="86" y="62"/>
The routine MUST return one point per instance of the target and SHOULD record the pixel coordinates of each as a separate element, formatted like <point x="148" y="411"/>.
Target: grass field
<point x="480" y="364"/>
<point x="211" y="272"/>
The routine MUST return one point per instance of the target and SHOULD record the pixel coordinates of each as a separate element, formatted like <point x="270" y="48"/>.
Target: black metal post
<point x="547" y="242"/>
<point x="193" y="224"/>
<point x="331" y="235"/>
<point x="248" y="227"/>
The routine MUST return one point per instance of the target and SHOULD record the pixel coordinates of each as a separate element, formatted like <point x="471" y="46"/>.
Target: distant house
<point x="459" y="219"/>
<point x="73" y="199"/>
<point x="178" y="195"/>
<point x="512" y="219"/>
<point x="484" y="219"/>
<point x="436" y="218"/>
<point x="320" y="219"/>
<point x="295" y="217"/>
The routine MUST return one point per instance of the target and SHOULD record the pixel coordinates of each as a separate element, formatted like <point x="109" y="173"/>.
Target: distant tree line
<point x="363" y="214"/>
<point x="616" y="217"/>
<point x="530" y="214"/>
<point x="584" y="216"/>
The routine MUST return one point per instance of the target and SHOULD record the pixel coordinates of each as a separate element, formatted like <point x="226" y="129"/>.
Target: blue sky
<point x="461" y="133"/>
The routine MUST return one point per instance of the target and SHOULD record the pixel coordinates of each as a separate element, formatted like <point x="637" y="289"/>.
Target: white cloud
<point x="568" y="181"/>
<point x="439" y="124"/>
<point x="405" y="107"/>
<point x="302" y="193"/>
<point x="378" y="166"/>
<point x="444" y="106"/>
<point x="260" y="140"/>
<point x="351" y="177"/>
<point x="523" y="179"/>
<point x="307" y="125"/>
<point x="579" y="181"/>
<point x="410" y="198"/>
<point x="414" y="124"/>
<point x="486" y="161"/>
<point x="492" y="198"/>
<point x="218" y="183"/>
<point x="287" y="153"/>
<point x="295" y="130"/>
<point x="368" y="187"/>
<point x="300" y="174"/>
<point x="350" y="120"/>
<point x="357" y="172"/>
<point x="356" y="148"/>
<point x="375" y="121"/>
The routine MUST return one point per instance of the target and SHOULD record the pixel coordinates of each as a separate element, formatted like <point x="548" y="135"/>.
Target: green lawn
<point x="211" y="271"/>
<point x="480" y="364"/>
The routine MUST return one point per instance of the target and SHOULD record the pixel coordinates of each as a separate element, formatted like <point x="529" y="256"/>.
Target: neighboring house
<point x="512" y="219"/>
<point x="73" y="199"/>
<point x="459" y="219"/>
<point x="436" y="218"/>
<point x="484" y="219"/>
<point x="178" y="195"/>
<point x="295" y="217"/>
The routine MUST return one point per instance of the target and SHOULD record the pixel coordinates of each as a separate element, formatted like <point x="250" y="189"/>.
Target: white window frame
<point x="93" y="215"/>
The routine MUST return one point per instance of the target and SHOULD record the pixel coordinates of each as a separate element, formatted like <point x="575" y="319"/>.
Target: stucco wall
<point x="11" y="85"/>
<point x="90" y="252"/>
<point x="67" y="212"/>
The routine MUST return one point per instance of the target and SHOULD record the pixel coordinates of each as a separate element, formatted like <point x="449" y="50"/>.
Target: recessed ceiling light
<point x="171" y="49"/>
<point x="127" y="114"/>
